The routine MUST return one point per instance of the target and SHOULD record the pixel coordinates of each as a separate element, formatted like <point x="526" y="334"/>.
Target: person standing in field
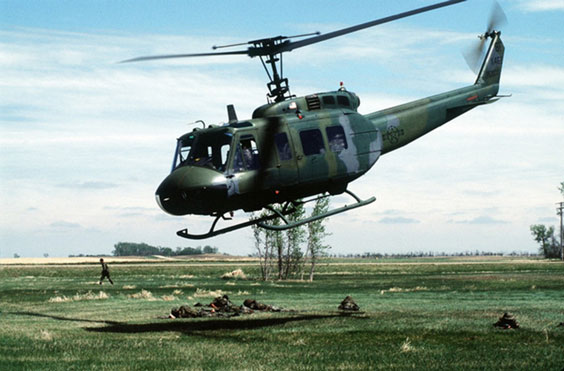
<point x="105" y="272"/>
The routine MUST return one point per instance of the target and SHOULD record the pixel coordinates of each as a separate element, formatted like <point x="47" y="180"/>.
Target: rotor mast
<point x="278" y="86"/>
<point x="270" y="50"/>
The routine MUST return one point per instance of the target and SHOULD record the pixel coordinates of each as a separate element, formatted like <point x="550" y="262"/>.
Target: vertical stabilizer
<point x="490" y="72"/>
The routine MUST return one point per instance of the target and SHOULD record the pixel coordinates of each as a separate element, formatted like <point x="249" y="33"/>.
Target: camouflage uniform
<point x="105" y="272"/>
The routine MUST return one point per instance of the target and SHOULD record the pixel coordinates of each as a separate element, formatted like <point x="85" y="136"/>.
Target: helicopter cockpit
<point x="212" y="150"/>
<point x="209" y="150"/>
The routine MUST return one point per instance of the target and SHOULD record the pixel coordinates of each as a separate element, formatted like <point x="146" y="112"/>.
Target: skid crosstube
<point x="287" y="209"/>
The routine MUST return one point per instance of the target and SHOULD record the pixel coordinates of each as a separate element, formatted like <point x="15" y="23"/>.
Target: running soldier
<point x="105" y="272"/>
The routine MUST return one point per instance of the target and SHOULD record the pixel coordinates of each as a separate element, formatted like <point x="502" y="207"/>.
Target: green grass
<point x="416" y="314"/>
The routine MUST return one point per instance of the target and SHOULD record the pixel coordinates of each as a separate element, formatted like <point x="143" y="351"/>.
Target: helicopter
<point x="294" y="148"/>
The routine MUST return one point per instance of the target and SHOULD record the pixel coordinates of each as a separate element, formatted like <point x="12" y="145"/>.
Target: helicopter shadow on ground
<point x="61" y="318"/>
<point x="217" y="327"/>
<point x="222" y="328"/>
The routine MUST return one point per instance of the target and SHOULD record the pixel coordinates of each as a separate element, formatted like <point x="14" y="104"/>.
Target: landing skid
<point x="212" y="232"/>
<point x="289" y="225"/>
<point x="287" y="209"/>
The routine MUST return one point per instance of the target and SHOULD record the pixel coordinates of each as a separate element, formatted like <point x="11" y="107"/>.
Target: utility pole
<point x="559" y="212"/>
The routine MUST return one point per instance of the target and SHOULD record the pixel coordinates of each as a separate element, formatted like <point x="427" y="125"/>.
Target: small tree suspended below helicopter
<point x="298" y="147"/>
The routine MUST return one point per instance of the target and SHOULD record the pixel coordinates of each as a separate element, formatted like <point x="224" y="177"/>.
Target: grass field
<point x="415" y="314"/>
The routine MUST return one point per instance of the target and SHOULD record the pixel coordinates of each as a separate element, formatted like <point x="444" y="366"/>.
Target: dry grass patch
<point x="80" y="297"/>
<point x="143" y="294"/>
<point x="177" y="285"/>
<point x="59" y="299"/>
<point x="186" y="276"/>
<point x="236" y="274"/>
<point x="399" y="289"/>
<point x="406" y="346"/>
<point x="209" y="293"/>
<point x="46" y="335"/>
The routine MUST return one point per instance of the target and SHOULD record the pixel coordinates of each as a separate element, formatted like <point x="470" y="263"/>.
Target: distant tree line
<point x="143" y="249"/>
<point x="429" y="254"/>
<point x="87" y="255"/>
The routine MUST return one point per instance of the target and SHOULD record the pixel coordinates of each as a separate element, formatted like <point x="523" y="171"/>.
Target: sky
<point x="85" y="141"/>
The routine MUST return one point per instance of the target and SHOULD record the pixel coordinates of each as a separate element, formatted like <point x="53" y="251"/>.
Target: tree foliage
<point x="549" y="246"/>
<point x="284" y="253"/>
<point x="295" y="237"/>
<point x="316" y="235"/>
<point x="264" y="246"/>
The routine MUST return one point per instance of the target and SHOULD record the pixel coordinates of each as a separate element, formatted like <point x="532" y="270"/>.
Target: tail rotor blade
<point x="497" y="17"/>
<point x="473" y="55"/>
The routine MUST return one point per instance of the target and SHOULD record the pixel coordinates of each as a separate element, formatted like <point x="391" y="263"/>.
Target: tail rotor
<point x="474" y="54"/>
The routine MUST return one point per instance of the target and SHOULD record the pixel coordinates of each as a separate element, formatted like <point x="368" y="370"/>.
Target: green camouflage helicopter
<point x="298" y="147"/>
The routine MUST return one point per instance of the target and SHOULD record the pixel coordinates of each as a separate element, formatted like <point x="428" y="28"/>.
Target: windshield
<point x="203" y="149"/>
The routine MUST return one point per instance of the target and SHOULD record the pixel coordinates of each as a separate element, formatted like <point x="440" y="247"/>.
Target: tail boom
<point x="403" y="124"/>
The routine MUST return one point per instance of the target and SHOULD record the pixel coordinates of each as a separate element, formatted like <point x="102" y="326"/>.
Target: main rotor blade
<point x="274" y="48"/>
<point x="298" y="44"/>
<point x="169" y="56"/>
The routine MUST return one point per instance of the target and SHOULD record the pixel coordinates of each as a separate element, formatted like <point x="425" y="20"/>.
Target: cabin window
<point x="336" y="138"/>
<point x="246" y="154"/>
<point x="343" y="101"/>
<point x="283" y="146"/>
<point x="328" y="99"/>
<point x="312" y="142"/>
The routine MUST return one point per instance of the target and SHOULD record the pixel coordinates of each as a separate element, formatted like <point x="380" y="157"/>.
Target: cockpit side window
<point x="246" y="154"/>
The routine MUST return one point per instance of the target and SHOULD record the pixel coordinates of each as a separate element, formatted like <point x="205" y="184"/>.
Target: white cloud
<point x="541" y="5"/>
<point x="64" y="225"/>
<point x="398" y="220"/>
<point x="482" y="219"/>
<point x="536" y="76"/>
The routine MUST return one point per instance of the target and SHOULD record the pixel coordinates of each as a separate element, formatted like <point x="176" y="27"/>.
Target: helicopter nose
<point x="192" y="190"/>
